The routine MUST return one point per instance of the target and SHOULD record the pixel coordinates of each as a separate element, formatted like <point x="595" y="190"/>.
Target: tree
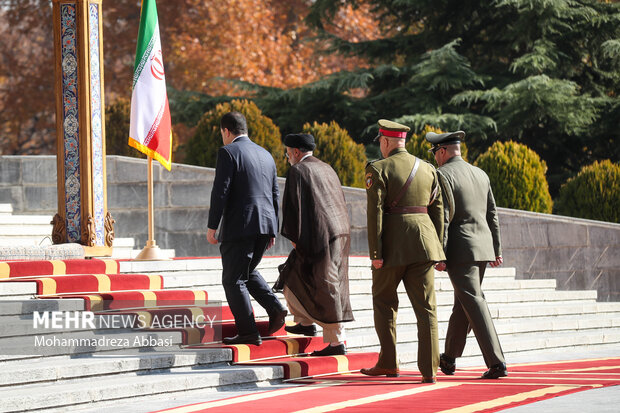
<point x="517" y="176"/>
<point x="262" y="41"/>
<point x="202" y="148"/>
<point x="593" y="194"/>
<point x="541" y="72"/>
<point x="335" y="147"/>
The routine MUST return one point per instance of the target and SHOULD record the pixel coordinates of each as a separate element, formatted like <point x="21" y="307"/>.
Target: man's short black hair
<point x="235" y="122"/>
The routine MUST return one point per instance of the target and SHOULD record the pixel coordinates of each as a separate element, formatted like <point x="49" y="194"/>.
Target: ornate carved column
<point x="80" y="127"/>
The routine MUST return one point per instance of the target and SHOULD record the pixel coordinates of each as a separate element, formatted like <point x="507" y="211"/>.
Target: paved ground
<point x="604" y="400"/>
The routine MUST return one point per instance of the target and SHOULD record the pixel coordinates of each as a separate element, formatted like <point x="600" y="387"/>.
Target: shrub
<point x="417" y="145"/>
<point x="593" y="194"/>
<point x="117" y="117"/>
<point x="517" y="176"/>
<point x="203" y="146"/>
<point x="335" y="147"/>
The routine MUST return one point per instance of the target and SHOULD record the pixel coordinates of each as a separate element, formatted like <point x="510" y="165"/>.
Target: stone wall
<point x="579" y="254"/>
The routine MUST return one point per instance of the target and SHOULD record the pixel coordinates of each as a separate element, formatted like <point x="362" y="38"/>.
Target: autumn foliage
<point x="204" y="42"/>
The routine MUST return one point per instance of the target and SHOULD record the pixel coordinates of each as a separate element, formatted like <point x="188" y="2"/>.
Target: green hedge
<point x="203" y="146"/>
<point x="593" y="194"/>
<point x="517" y="176"/>
<point x="335" y="147"/>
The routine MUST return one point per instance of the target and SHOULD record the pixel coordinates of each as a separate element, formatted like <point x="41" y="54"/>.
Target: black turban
<point x="303" y="141"/>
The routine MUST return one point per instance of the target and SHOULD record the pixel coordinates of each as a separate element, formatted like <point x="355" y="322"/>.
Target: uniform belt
<point x="407" y="210"/>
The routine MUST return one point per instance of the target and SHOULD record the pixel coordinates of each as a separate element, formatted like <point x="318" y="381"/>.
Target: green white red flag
<point x="150" y="130"/>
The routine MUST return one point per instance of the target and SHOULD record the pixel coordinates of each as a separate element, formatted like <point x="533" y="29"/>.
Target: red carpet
<point x="11" y="269"/>
<point x="59" y="284"/>
<point x="463" y="392"/>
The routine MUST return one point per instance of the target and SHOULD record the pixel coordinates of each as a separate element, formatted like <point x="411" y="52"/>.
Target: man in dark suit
<point x="472" y="240"/>
<point x="245" y="198"/>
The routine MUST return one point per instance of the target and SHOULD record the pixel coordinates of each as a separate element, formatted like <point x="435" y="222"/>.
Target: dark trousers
<point x="240" y="277"/>
<point x="471" y="312"/>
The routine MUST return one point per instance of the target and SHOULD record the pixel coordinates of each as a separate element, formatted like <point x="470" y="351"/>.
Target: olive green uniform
<point x="472" y="239"/>
<point x="409" y="245"/>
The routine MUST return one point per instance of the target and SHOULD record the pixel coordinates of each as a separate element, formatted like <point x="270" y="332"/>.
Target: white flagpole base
<point x="151" y="252"/>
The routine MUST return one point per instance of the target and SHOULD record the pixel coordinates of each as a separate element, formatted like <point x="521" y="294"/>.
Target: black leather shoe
<point x="243" y="339"/>
<point x="428" y="380"/>
<point x="339" y="350"/>
<point x="495" y="372"/>
<point x="276" y="321"/>
<point x="301" y="329"/>
<point x="447" y="365"/>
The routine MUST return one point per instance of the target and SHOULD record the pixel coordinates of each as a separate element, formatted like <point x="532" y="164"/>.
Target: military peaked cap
<point x="303" y="141"/>
<point x="439" y="139"/>
<point x="392" y="129"/>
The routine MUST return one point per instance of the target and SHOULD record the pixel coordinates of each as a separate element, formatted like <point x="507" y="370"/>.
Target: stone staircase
<point x="529" y="315"/>
<point x="25" y="236"/>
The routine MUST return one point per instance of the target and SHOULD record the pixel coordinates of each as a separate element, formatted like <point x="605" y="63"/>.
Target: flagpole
<point x="151" y="251"/>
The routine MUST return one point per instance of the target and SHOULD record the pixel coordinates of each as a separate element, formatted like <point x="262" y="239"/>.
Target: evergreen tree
<point x="541" y="72"/>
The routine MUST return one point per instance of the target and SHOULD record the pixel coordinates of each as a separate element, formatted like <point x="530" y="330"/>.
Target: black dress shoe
<point x="447" y="365"/>
<point x="495" y="372"/>
<point x="339" y="350"/>
<point x="243" y="339"/>
<point x="301" y="329"/>
<point x="428" y="380"/>
<point x="276" y="321"/>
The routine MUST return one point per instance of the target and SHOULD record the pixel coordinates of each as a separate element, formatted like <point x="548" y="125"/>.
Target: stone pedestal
<point x="82" y="201"/>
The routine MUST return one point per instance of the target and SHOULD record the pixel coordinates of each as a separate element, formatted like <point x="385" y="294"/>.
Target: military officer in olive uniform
<point x="471" y="240"/>
<point x="405" y="226"/>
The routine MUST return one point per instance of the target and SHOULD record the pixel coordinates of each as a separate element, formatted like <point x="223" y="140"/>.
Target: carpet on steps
<point x="90" y="283"/>
<point x="11" y="269"/>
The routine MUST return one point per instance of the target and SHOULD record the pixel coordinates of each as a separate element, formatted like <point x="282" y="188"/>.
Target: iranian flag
<point x="150" y="131"/>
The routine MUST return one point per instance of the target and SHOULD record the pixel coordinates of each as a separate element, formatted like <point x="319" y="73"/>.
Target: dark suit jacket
<point x="470" y="213"/>
<point x="245" y="191"/>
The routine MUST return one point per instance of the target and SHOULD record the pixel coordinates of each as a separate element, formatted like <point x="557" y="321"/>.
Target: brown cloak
<point x="316" y="219"/>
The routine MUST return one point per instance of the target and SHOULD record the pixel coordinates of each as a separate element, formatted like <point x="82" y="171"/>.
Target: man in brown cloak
<point x="315" y="219"/>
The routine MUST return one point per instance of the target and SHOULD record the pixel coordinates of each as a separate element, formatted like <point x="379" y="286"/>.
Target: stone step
<point x="61" y="368"/>
<point x="601" y="338"/>
<point x="27" y="307"/>
<point x="212" y="280"/>
<point x="363" y="328"/>
<point x="359" y="267"/>
<point x="6" y="209"/>
<point x="15" y="221"/>
<point x="71" y="394"/>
